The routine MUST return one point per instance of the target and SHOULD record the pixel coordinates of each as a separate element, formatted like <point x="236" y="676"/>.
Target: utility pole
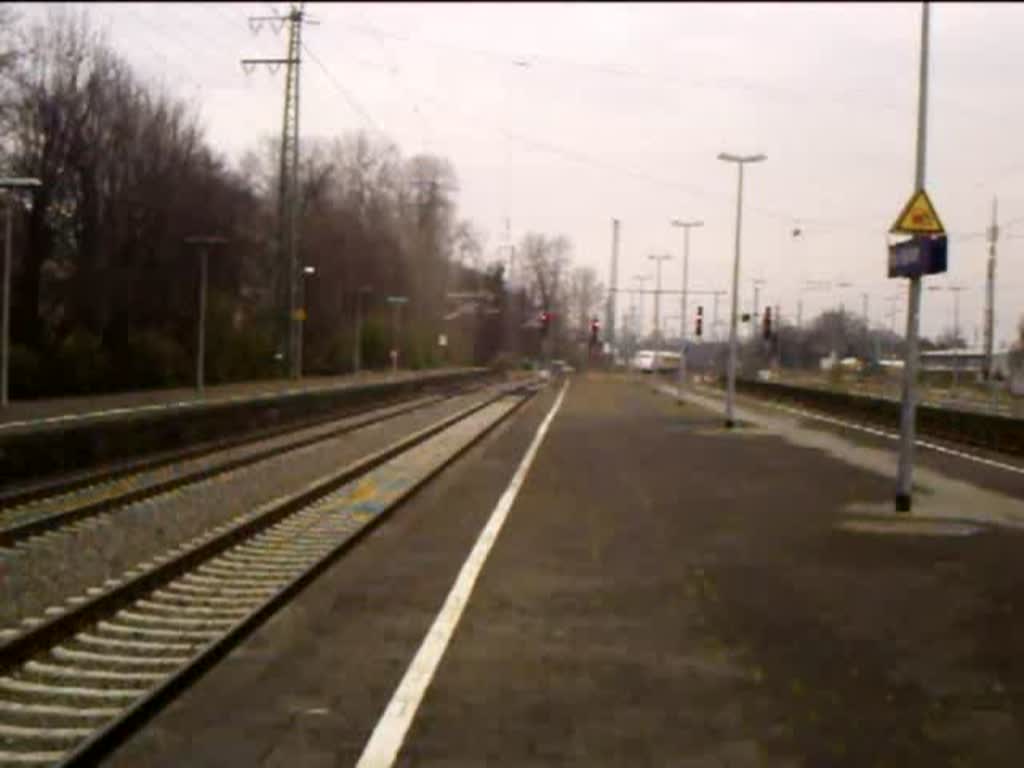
<point x="714" y="314"/>
<point x="864" y="300"/>
<point x="641" y="279"/>
<point x="658" y="259"/>
<point x="511" y="250"/>
<point x="510" y="324"/>
<point x="757" y="306"/>
<point x="288" y="181"/>
<point x="777" y="334"/>
<point x="908" y="406"/>
<point x="840" y="325"/>
<point x="5" y="353"/>
<point x="686" y="227"/>
<point x="613" y="281"/>
<point x="990" y="292"/>
<point x="203" y="243"/>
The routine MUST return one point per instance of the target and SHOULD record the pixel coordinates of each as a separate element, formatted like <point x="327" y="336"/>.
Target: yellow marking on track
<point x="366" y="489"/>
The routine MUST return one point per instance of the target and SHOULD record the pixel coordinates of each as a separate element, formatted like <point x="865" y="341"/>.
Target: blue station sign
<point x="920" y="255"/>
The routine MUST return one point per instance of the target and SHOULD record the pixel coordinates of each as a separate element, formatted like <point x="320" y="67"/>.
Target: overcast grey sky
<point x="562" y="116"/>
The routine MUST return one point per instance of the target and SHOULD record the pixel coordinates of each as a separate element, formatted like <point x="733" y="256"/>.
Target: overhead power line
<point x="343" y="91"/>
<point x="528" y="60"/>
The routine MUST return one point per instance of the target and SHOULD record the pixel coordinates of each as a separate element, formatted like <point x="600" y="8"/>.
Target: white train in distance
<point x="651" y="361"/>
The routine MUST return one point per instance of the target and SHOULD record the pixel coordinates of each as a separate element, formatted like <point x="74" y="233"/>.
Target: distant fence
<point x="985" y="430"/>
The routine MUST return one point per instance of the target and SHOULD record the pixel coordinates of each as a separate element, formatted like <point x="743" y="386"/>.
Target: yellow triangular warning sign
<point x="918" y="217"/>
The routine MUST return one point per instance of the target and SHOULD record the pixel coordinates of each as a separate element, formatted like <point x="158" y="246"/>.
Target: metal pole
<point x="778" y="336"/>
<point x="641" y="316"/>
<point x="613" y="280"/>
<point x="394" y="338"/>
<point x="956" y="334"/>
<point x="686" y="226"/>
<point x="657" y="306"/>
<point x="990" y="292"/>
<point x="203" y="243"/>
<point x="4" y="366"/>
<point x="641" y="279"/>
<point x="201" y="345"/>
<point x="909" y="406"/>
<point x="685" y="317"/>
<point x="357" y="349"/>
<point x="714" y="318"/>
<point x="730" y="393"/>
<point x="757" y="307"/>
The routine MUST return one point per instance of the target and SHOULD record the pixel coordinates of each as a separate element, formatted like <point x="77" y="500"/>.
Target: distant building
<point x="964" y="360"/>
<point x="948" y="360"/>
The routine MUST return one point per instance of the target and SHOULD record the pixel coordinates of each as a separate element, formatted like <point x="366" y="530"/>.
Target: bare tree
<point x="545" y="260"/>
<point x="586" y="295"/>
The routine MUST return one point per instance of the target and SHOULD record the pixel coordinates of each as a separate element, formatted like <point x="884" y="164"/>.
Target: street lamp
<point x="730" y="395"/>
<point x="301" y="315"/>
<point x="9" y="184"/>
<point x="396" y="303"/>
<point x="357" y="349"/>
<point x="657" y="259"/>
<point x="204" y="243"/>
<point x="637" y="311"/>
<point x="686" y="226"/>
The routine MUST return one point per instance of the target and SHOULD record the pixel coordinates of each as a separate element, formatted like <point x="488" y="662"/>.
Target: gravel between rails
<point x="103" y="490"/>
<point x="49" y="569"/>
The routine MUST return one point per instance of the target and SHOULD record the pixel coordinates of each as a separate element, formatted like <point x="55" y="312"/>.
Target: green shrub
<point x="151" y="359"/>
<point x="81" y="365"/>
<point x="376" y="344"/>
<point x="243" y="355"/>
<point x="26" y="373"/>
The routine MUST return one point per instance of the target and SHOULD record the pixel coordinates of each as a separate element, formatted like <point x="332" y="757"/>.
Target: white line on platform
<point x="669" y="390"/>
<point x="891" y="436"/>
<point x="389" y="734"/>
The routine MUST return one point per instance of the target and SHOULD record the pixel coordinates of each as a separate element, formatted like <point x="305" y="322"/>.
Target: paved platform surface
<point x="664" y="593"/>
<point x="22" y="415"/>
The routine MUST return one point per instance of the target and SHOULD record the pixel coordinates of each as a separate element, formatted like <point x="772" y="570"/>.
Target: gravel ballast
<point x="49" y="569"/>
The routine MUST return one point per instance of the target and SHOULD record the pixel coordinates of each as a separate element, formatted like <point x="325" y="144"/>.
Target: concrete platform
<point x="663" y="593"/>
<point x="27" y="416"/>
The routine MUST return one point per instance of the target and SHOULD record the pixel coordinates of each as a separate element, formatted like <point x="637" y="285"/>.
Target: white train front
<point x="650" y="361"/>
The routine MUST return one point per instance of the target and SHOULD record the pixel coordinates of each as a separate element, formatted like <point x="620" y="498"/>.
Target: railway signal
<point x="699" y="331"/>
<point x="595" y="327"/>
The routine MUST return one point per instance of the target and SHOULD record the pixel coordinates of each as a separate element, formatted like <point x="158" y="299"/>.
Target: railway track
<point x="20" y="520"/>
<point x="77" y="684"/>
